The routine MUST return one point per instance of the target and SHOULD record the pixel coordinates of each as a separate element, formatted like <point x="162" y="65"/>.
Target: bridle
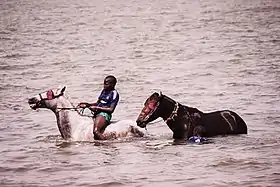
<point x="151" y="113"/>
<point x="50" y="95"/>
<point x="171" y="116"/>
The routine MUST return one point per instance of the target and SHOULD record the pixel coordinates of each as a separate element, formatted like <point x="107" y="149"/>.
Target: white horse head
<point x="71" y="124"/>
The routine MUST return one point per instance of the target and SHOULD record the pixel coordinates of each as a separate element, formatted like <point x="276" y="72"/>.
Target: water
<point x="211" y="55"/>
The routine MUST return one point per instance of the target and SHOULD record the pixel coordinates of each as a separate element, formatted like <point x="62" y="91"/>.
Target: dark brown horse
<point x="185" y="121"/>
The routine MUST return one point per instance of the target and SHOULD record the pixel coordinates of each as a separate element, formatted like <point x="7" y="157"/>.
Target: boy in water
<point x="104" y="107"/>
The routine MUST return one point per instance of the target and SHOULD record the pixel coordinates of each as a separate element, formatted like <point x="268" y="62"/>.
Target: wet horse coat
<point x="72" y="125"/>
<point x="186" y="121"/>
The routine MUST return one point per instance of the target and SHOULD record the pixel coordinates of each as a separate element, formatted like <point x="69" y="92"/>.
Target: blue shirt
<point x="108" y="98"/>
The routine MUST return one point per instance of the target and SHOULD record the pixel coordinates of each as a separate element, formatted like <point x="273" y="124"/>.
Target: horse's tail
<point x="241" y="125"/>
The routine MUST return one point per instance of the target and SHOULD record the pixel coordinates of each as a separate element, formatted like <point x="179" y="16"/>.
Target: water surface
<point x="211" y="55"/>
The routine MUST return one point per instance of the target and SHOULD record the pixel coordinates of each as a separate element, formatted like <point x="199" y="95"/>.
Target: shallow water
<point x="210" y="55"/>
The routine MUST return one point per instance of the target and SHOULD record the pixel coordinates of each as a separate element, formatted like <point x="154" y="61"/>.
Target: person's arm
<point x="104" y="109"/>
<point x="94" y="104"/>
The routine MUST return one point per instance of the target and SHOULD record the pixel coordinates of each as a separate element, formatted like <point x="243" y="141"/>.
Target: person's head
<point x="110" y="82"/>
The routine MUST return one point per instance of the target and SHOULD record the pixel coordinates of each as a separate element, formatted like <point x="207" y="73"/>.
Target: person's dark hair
<point x="113" y="78"/>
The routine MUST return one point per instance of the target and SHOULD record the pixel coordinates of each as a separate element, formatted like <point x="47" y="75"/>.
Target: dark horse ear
<point x="63" y="90"/>
<point x="160" y="94"/>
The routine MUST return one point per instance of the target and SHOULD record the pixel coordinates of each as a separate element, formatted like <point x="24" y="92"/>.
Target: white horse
<point x="74" y="126"/>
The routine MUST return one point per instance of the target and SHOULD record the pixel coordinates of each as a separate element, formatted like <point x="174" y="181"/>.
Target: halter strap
<point x="54" y="96"/>
<point x="173" y="113"/>
<point x="151" y="113"/>
<point x="40" y="95"/>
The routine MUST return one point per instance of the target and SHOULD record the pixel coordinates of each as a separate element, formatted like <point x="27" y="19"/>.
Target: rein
<point x="73" y="108"/>
<point x="81" y="112"/>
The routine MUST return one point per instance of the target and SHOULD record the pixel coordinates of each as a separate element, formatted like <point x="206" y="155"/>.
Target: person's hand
<point x="82" y="105"/>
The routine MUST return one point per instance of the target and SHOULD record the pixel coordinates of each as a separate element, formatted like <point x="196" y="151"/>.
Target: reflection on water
<point x="211" y="55"/>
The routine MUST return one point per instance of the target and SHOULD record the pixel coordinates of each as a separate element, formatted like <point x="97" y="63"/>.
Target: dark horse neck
<point x="179" y="118"/>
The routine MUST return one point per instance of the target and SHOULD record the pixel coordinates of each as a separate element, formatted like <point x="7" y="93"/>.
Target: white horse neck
<point x="70" y="123"/>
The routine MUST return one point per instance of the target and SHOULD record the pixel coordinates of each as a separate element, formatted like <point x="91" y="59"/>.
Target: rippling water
<point x="211" y="54"/>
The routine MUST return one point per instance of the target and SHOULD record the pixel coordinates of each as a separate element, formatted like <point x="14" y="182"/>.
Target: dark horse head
<point x="151" y="111"/>
<point x="186" y="121"/>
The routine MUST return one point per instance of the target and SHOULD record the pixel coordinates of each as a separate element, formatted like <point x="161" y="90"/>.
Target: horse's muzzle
<point x="141" y="123"/>
<point x="34" y="103"/>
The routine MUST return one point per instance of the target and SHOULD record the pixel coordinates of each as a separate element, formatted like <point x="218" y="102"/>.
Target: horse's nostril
<point x="140" y="123"/>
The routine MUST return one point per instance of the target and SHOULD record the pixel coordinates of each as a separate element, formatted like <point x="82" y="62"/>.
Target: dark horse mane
<point x="187" y="121"/>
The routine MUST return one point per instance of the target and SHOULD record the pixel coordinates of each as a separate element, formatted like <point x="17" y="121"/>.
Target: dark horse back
<point x="222" y="122"/>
